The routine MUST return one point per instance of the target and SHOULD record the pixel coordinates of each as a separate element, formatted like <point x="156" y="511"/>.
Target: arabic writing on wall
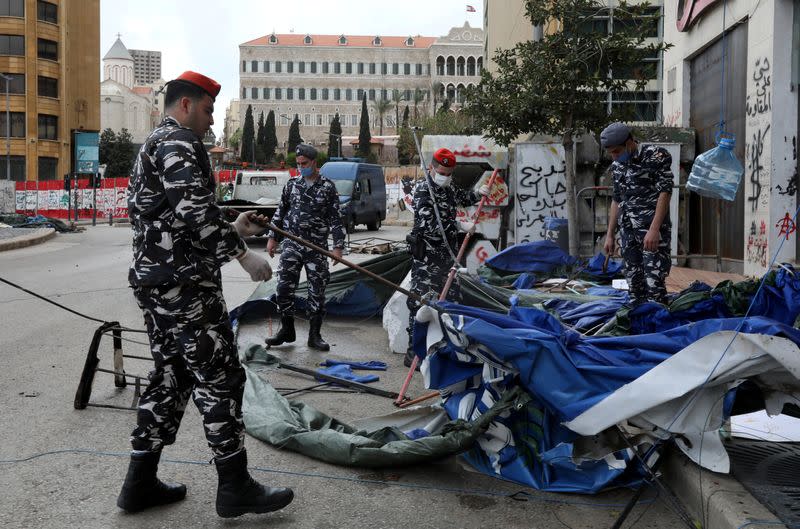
<point x="540" y="190"/>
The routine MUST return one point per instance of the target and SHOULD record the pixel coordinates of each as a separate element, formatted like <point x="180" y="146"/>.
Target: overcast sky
<point x="204" y="35"/>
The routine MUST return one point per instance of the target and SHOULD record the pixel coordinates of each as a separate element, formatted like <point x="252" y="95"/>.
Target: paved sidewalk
<point x="13" y="238"/>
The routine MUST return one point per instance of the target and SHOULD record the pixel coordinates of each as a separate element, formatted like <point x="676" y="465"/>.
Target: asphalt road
<point x="63" y="468"/>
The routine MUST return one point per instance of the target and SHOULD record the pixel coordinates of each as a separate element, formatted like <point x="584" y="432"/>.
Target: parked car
<point x="362" y="192"/>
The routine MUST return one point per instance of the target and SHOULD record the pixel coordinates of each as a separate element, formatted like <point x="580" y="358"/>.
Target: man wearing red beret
<point x="180" y="241"/>
<point x="431" y="250"/>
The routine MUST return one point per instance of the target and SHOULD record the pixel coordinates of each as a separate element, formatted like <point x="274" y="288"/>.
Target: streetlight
<point x="7" y="78"/>
<point x="338" y="142"/>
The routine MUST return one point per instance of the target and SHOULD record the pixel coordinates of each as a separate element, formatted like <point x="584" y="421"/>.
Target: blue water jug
<point x="717" y="173"/>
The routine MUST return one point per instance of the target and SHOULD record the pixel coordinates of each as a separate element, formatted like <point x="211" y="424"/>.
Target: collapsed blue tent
<point x="348" y="293"/>
<point x="474" y="356"/>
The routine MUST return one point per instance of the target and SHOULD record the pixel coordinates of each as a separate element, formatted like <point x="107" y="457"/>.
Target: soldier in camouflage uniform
<point x="309" y="209"/>
<point x="431" y="258"/>
<point x="642" y="187"/>
<point x="180" y="241"/>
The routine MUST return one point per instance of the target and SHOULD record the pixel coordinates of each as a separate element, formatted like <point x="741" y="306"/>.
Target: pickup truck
<point x="256" y="190"/>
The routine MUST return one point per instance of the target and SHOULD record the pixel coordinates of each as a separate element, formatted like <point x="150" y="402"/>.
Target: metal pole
<point x="376" y="277"/>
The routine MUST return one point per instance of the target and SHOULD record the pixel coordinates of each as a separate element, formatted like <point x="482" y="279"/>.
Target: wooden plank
<point x="680" y="278"/>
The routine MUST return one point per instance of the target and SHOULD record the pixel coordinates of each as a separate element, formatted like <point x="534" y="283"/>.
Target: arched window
<point x="460" y="70"/>
<point x="451" y="66"/>
<point x="273" y="39"/>
<point x="342" y="40"/>
<point x="409" y="41"/>
<point x="480" y="65"/>
<point x="307" y="40"/>
<point x="439" y="65"/>
<point x="377" y="41"/>
<point x="451" y="93"/>
<point x="471" y="66"/>
<point x="460" y="93"/>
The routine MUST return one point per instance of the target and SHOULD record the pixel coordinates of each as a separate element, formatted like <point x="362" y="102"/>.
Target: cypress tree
<point x="335" y="137"/>
<point x="248" y="136"/>
<point x="294" y="134"/>
<point x="270" y="137"/>
<point x="260" y="155"/>
<point x="364" y="137"/>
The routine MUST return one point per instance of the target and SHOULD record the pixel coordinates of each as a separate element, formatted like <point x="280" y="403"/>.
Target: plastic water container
<point x="717" y="173"/>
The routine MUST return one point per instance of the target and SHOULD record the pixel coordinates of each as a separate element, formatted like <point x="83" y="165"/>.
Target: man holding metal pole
<point x="433" y="241"/>
<point x="180" y="241"/>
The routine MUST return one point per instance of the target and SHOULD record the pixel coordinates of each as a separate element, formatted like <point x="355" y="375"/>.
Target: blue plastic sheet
<point x="484" y="353"/>
<point x="346" y="372"/>
<point x="539" y="256"/>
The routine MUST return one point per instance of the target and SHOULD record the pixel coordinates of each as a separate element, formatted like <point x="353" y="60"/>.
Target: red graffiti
<point x="690" y="10"/>
<point x="481" y="254"/>
<point x="787" y="226"/>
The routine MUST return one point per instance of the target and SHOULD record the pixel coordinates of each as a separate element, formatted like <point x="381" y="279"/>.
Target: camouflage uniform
<point x="311" y="213"/>
<point x="180" y="241"/>
<point x="637" y="186"/>
<point x="428" y="275"/>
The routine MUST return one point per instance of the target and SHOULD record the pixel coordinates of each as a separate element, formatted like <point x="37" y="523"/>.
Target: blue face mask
<point x="624" y="157"/>
<point x="305" y="172"/>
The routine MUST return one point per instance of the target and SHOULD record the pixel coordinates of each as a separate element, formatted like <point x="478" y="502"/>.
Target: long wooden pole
<point x="360" y="269"/>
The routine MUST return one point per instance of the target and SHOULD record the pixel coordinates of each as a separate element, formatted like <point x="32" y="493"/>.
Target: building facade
<point x="146" y="66"/>
<point x="123" y="103"/>
<point x="48" y="50"/>
<point x="506" y="25"/>
<point x="748" y="81"/>
<point x="317" y="76"/>
<point x="232" y="121"/>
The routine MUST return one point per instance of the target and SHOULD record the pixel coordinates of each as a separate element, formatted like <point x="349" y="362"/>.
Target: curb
<point x="41" y="235"/>
<point x="720" y="498"/>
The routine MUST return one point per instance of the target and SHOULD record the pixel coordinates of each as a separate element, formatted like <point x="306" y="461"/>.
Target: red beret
<point x="445" y="157"/>
<point x="208" y="84"/>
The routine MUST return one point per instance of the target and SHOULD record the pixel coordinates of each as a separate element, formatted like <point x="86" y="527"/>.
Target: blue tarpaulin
<point x="476" y="355"/>
<point x="539" y="256"/>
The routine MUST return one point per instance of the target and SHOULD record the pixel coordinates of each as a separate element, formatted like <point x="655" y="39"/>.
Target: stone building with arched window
<point x="317" y="76"/>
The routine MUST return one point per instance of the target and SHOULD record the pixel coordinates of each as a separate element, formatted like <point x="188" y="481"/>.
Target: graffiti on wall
<point x="755" y="151"/>
<point x="540" y="189"/>
<point x="760" y="101"/>
<point x="757" y="244"/>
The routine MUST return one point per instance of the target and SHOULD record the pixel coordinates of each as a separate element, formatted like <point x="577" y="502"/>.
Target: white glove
<point x="245" y="225"/>
<point x="255" y="265"/>
<point x="466" y="225"/>
<point x="484" y="190"/>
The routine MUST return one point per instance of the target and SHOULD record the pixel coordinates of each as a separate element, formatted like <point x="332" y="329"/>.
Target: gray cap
<point x="615" y="134"/>
<point x="306" y="150"/>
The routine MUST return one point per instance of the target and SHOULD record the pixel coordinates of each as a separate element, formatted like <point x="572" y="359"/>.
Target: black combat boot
<point x="409" y="358"/>
<point x="238" y="493"/>
<point x="142" y="489"/>
<point x="315" y="340"/>
<point x="285" y="333"/>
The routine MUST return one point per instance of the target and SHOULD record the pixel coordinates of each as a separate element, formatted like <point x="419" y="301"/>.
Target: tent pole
<point x="357" y="268"/>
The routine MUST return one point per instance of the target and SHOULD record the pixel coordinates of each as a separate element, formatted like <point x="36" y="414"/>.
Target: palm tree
<point x="419" y="97"/>
<point x="397" y="98"/>
<point x="381" y="107"/>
